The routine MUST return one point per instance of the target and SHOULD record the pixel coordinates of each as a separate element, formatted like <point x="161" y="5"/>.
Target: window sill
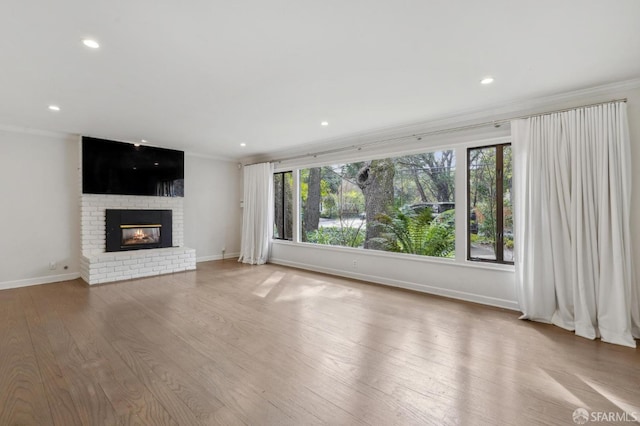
<point x="399" y="256"/>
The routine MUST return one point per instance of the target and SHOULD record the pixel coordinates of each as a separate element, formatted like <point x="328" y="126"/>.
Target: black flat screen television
<point x="110" y="167"/>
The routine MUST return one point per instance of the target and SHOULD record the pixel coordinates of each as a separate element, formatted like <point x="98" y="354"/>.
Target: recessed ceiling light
<point x="243" y="144"/>
<point x="324" y="123"/>
<point x="143" y="140"/>
<point x="54" y="107"/>
<point x="155" y="164"/>
<point x="486" y="80"/>
<point x="136" y="144"/>
<point x="91" y="43"/>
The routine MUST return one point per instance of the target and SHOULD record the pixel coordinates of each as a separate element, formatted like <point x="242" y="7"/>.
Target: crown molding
<point x="36" y="132"/>
<point x="77" y="136"/>
<point x="211" y="157"/>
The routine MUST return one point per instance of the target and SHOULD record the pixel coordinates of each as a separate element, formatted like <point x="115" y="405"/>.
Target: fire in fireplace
<point x="140" y="234"/>
<point x="138" y="229"/>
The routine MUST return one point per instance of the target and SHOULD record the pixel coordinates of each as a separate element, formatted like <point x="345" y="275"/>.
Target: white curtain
<point x="572" y="190"/>
<point x="257" y="215"/>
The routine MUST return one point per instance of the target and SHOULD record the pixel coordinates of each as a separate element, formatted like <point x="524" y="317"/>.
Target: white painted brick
<point x="92" y="208"/>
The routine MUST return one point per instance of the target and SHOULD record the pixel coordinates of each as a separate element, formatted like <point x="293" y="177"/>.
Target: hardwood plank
<point x="186" y="400"/>
<point x="159" y="372"/>
<point x="23" y="398"/>
<point x="218" y="316"/>
<point x="241" y="361"/>
<point x="63" y="409"/>
<point x="91" y="403"/>
<point x="121" y="386"/>
<point x="320" y="349"/>
<point x="232" y="344"/>
<point x="247" y="402"/>
<point x="236" y="344"/>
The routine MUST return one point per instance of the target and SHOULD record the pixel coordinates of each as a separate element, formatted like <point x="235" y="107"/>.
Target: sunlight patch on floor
<point x="619" y="402"/>
<point x="553" y="387"/>
<point x="267" y="285"/>
<point x="299" y="292"/>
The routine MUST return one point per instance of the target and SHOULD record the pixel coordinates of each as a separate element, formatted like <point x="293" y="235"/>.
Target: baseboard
<point x="454" y="294"/>
<point x="72" y="276"/>
<point x="39" y="280"/>
<point x="227" y="256"/>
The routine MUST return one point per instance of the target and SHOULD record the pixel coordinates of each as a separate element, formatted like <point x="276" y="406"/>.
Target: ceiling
<point x="205" y="76"/>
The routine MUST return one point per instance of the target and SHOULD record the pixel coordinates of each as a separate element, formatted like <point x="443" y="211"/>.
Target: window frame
<point x="499" y="237"/>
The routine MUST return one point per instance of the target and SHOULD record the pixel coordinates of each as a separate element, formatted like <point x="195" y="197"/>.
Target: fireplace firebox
<point x="138" y="229"/>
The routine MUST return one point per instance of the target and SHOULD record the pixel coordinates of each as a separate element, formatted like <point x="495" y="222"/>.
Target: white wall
<point x="39" y="217"/>
<point x="458" y="279"/>
<point x="212" y="213"/>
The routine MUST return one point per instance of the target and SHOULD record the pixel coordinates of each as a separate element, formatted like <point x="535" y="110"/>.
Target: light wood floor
<point x="234" y="344"/>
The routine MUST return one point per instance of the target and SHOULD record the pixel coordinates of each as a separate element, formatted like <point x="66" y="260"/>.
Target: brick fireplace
<point x="99" y="265"/>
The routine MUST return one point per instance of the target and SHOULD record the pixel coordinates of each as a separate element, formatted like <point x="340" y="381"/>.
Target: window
<point x="402" y="204"/>
<point x="283" y="212"/>
<point x="490" y="230"/>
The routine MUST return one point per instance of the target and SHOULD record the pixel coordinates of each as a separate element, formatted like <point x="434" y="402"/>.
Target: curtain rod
<point x="494" y="123"/>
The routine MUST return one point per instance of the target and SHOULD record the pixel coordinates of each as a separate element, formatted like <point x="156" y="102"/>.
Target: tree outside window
<point x="283" y="199"/>
<point x="402" y="204"/>
<point x="490" y="226"/>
